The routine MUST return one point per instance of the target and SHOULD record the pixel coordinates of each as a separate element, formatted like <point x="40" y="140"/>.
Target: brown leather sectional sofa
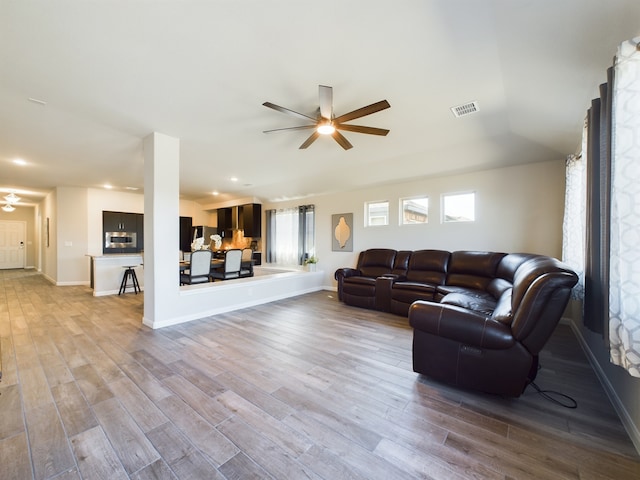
<point x="479" y="318"/>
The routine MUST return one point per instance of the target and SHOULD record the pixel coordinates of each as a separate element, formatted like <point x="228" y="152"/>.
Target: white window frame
<point x="367" y="217"/>
<point x="401" y="202"/>
<point x="443" y="199"/>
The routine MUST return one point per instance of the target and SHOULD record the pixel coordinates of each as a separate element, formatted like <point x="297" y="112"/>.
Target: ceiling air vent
<point x="465" y="109"/>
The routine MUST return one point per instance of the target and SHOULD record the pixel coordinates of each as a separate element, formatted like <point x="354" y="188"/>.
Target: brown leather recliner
<point x="496" y="351"/>
<point x="357" y="286"/>
<point x="427" y="269"/>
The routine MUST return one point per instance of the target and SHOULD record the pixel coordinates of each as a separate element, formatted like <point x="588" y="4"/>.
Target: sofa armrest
<point x="346" y="273"/>
<point x="383" y="292"/>
<point x="459" y="324"/>
<point x="342" y="273"/>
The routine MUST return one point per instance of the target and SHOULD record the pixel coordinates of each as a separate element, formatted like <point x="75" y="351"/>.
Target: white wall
<point x="71" y="236"/>
<point x="518" y="209"/>
<point x="198" y="216"/>
<point x="49" y="252"/>
<point x="99" y="200"/>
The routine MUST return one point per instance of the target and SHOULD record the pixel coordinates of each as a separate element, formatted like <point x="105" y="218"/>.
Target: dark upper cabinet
<point x="185" y="233"/>
<point x="140" y="230"/>
<point x="120" y="221"/>
<point x="251" y="217"/>
<point x="225" y="221"/>
<point x="111" y="221"/>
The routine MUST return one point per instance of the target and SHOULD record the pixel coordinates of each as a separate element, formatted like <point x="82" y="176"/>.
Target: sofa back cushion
<point x="401" y="263"/>
<point x="506" y="271"/>
<point x="428" y="266"/>
<point x="376" y="262"/>
<point x="473" y="269"/>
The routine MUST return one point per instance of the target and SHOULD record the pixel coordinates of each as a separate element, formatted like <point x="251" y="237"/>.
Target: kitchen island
<point x="107" y="272"/>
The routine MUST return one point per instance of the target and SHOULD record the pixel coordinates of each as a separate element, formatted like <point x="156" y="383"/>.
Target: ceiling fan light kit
<point x="326" y="129"/>
<point x="325" y="123"/>
<point x="12" y="198"/>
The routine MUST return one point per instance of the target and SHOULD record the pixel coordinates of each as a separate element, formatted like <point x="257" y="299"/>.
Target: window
<point x="290" y="235"/>
<point x="376" y="213"/>
<point x="459" y="207"/>
<point x="414" y="210"/>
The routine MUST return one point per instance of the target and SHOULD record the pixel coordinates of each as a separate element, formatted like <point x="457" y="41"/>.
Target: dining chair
<point x="231" y="266"/>
<point x="199" y="268"/>
<point x="246" y="268"/>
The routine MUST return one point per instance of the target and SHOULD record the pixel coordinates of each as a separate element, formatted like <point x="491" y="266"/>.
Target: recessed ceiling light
<point x="107" y="186"/>
<point x="215" y="192"/>
<point x="234" y="179"/>
<point x="131" y="188"/>
<point x="19" y="161"/>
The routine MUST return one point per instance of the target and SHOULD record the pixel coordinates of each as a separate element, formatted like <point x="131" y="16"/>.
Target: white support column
<point x="161" y="227"/>
<point x="165" y="303"/>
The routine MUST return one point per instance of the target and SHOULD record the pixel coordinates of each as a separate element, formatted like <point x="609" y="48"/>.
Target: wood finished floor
<point x="296" y="389"/>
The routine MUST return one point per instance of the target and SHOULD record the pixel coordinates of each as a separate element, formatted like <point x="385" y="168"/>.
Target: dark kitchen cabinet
<point x="185" y="233"/>
<point x="140" y="231"/>
<point x="251" y="218"/>
<point x="120" y="221"/>
<point x="225" y="221"/>
<point x="123" y="222"/>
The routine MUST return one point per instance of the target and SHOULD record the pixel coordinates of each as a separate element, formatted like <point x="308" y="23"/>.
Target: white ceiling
<point x="113" y="72"/>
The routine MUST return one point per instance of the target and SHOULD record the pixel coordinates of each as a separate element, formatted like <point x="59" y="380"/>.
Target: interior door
<point x="12" y="244"/>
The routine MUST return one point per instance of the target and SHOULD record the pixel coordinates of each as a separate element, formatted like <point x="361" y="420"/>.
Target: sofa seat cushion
<point x="443" y="290"/>
<point x="360" y="285"/>
<point x="484" y="304"/>
<point x="409" y="292"/>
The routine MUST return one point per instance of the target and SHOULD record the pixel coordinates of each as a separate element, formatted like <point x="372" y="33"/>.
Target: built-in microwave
<point x="120" y="240"/>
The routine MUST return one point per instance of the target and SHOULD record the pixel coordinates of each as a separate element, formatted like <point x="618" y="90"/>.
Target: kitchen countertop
<point x="107" y="271"/>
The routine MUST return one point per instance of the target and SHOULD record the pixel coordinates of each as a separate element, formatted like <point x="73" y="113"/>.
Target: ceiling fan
<point x="325" y="123"/>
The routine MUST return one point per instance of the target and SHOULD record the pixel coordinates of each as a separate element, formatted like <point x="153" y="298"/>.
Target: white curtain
<point x="624" y="293"/>
<point x="573" y="227"/>
<point x="286" y="236"/>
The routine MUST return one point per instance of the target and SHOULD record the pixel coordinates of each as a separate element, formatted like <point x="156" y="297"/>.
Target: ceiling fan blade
<point x="361" y="112"/>
<point x="362" y="129"/>
<point x="301" y="127"/>
<point x="344" y="143"/>
<point x="310" y="140"/>
<point x="326" y="102"/>
<point x="288" y="112"/>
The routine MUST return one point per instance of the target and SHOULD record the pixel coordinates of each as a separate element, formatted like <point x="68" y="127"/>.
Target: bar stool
<point x="129" y="273"/>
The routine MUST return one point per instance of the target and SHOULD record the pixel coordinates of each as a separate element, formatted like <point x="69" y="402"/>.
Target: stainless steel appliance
<point x="204" y="231"/>
<point x="120" y="240"/>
